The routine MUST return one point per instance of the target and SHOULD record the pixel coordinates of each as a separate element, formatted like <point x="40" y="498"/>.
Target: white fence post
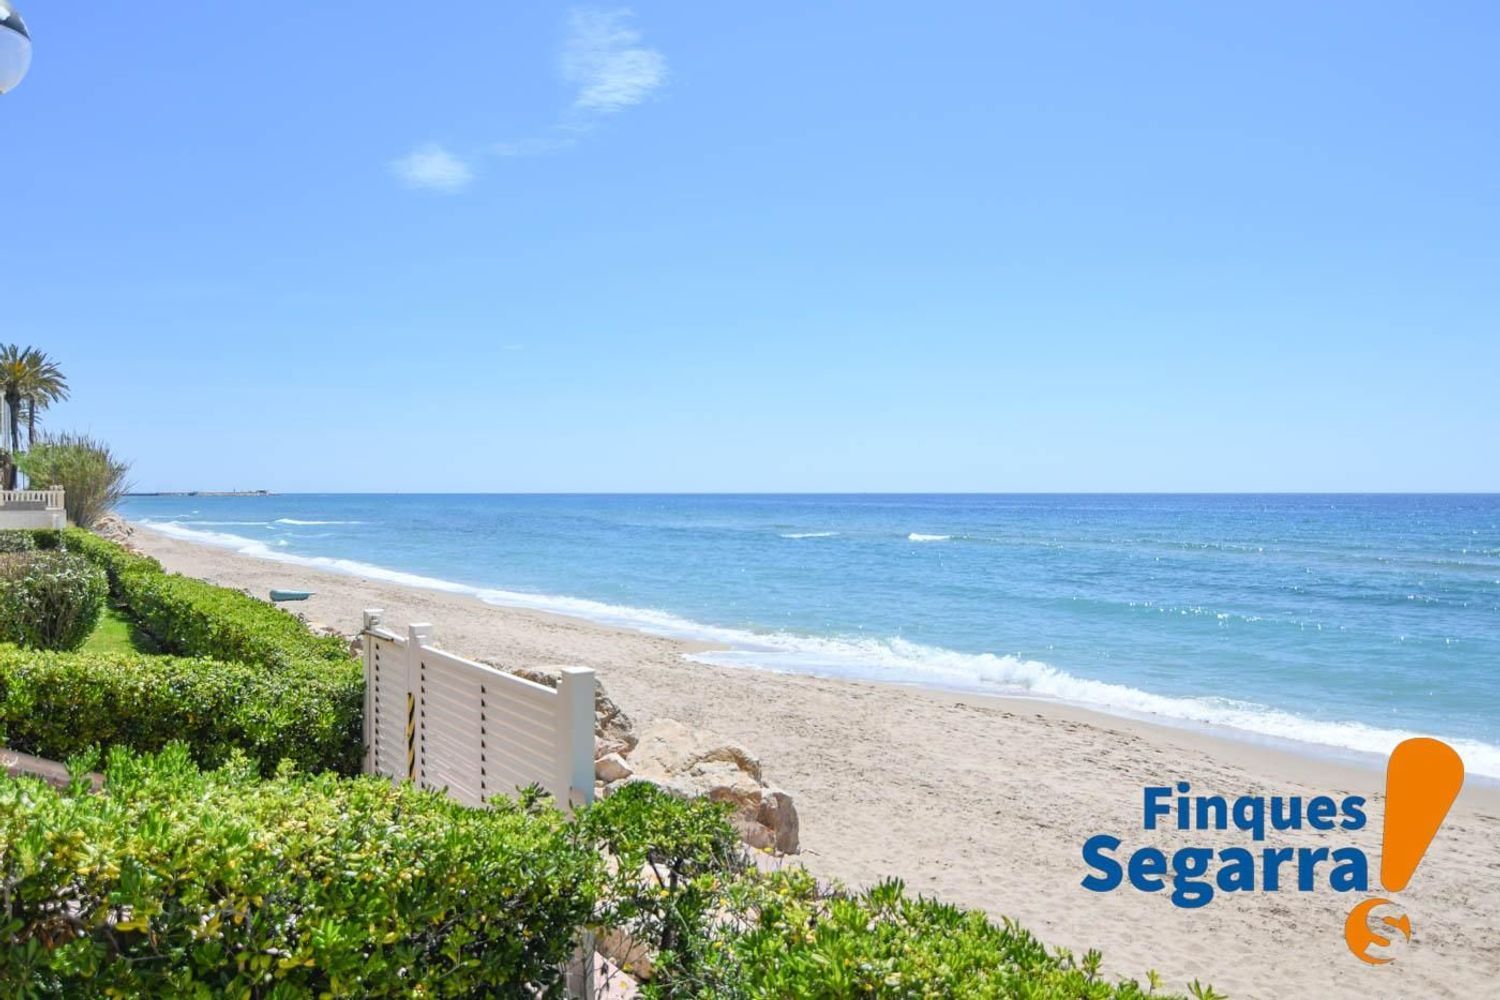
<point x="417" y="637"/>
<point x="575" y="764"/>
<point x="575" y="738"/>
<point x="371" y="623"/>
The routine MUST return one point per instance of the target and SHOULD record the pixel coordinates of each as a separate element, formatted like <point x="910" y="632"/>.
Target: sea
<point x="1332" y="623"/>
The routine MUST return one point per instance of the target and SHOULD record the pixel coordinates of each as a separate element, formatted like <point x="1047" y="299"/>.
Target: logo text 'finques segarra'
<point x="1423" y="779"/>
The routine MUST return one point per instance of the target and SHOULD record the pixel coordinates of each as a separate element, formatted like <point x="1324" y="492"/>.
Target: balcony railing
<point x="49" y="499"/>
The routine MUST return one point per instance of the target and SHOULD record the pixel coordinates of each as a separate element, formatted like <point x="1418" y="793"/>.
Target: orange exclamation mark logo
<point x="1421" y="782"/>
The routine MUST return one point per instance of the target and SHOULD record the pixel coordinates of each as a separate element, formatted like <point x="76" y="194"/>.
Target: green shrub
<point x="116" y="560"/>
<point x="176" y="883"/>
<point x="49" y="600"/>
<point x="46" y="538"/>
<point x="57" y="705"/>
<point x="91" y="476"/>
<point x="308" y="709"/>
<point x="791" y="939"/>
<point x="16" y="541"/>
<point x="673" y="861"/>
<point x="722" y="930"/>
<point x="194" y="618"/>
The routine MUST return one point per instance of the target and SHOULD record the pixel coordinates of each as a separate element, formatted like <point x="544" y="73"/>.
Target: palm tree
<point x="29" y="383"/>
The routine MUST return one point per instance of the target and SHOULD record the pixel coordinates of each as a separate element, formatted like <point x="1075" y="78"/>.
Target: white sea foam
<point x="293" y="520"/>
<point x="896" y="660"/>
<point x="809" y="534"/>
<point x="259" y="549"/>
<point x="918" y="537"/>
<point x="903" y="661"/>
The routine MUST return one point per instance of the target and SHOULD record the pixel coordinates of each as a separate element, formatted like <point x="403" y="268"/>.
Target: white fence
<point x="445" y="722"/>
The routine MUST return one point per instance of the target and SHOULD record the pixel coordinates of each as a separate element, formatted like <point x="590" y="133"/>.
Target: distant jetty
<point x="206" y="493"/>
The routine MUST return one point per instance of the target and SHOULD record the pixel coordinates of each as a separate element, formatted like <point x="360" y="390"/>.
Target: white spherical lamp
<point x="15" y="47"/>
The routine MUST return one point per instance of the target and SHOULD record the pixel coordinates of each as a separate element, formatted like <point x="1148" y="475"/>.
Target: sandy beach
<point x="986" y="802"/>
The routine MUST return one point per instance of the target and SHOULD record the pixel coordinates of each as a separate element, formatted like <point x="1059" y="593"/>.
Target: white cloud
<point x="604" y="58"/>
<point x="434" y="168"/>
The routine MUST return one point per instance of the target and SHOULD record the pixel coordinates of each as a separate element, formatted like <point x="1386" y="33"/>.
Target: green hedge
<point x="49" y="600"/>
<point x="220" y="696"/>
<point x="194" y="618"/>
<point x="723" y="931"/>
<point x="176" y="883"/>
<point x="45" y="538"/>
<point x="16" y="540"/>
<point x="56" y="705"/>
<point x="115" y="559"/>
<point x="795" y="940"/>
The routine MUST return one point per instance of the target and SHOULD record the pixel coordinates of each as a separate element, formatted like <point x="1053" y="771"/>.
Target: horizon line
<point x="251" y="494"/>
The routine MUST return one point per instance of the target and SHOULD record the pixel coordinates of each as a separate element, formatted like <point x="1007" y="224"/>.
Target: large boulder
<point x="112" y="527"/>
<point x="696" y="763"/>
<point x="611" y="768"/>
<point x="672" y="748"/>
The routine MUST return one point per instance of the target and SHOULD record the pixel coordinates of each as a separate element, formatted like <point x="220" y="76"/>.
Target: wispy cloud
<point x="433" y="168"/>
<point x="608" y="68"/>
<point x="605" y="59"/>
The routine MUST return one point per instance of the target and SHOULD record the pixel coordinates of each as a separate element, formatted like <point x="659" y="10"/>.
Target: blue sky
<point x="957" y="246"/>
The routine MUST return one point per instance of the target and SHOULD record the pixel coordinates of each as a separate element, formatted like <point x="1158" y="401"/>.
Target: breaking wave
<point x="892" y="660"/>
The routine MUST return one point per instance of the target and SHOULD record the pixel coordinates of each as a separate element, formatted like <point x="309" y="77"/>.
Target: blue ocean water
<point x="1343" y="621"/>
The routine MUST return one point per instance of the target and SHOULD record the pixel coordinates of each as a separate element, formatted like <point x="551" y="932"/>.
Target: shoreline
<point x="1020" y="782"/>
<point x="1344" y="740"/>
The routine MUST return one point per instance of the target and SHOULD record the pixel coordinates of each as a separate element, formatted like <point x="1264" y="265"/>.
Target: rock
<point x="544" y="677"/>
<point x="674" y="748"/>
<point x="696" y="763"/>
<point x="754" y="834"/>
<point x="356" y="643"/>
<point x="611" y="768"/>
<point x="687" y="762"/>
<point x="55" y="774"/>
<point x="614" y="733"/>
<point x="114" y="528"/>
<point x="629" y="955"/>
<point x="779" y="815"/>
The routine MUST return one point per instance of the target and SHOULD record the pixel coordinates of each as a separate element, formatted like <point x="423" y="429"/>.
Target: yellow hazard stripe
<point x="411" y="737"/>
